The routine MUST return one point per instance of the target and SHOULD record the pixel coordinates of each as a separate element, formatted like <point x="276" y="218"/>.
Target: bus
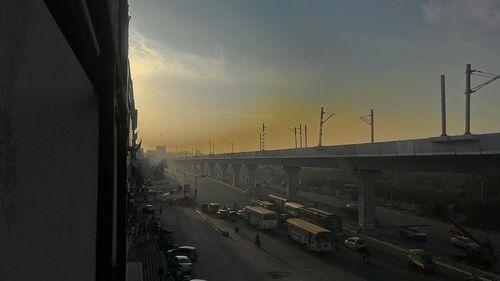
<point x="330" y="221"/>
<point x="293" y="208"/>
<point x="314" y="237"/>
<point x="264" y="204"/>
<point x="278" y="200"/>
<point x="261" y="218"/>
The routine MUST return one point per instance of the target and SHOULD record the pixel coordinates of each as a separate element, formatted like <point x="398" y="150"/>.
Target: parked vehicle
<point x="182" y="264"/>
<point x="422" y="260"/>
<point x="314" y="237"/>
<point x="462" y="242"/>
<point x="222" y="213"/>
<point x="204" y="207"/>
<point x="241" y="214"/>
<point x="213" y="208"/>
<point x="261" y="218"/>
<point x="233" y="215"/>
<point x="355" y="243"/>
<point x="148" y="209"/>
<point x="188" y="251"/>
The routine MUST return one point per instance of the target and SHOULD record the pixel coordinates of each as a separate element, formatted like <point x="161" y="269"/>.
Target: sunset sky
<point x="217" y="69"/>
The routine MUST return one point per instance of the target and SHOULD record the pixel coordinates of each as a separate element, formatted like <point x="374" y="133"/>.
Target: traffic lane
<point x="386" y="263"/>
<point x="438" y="240"/>
<point x="217" y="258"/>
<point x="213" y="191"/>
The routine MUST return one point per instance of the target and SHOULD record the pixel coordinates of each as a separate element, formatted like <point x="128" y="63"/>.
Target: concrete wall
<point x="48" y="151"/>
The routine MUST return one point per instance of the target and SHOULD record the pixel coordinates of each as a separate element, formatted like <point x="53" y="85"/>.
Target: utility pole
<point x="468" y="90"/>
<point x="321" y="122"/>
<point x="443" y="107"/>
<point x="260" y="142"/>
<point x="369" y="119"/>
<point x="300" y="135"/>
<point x="305" y="135"/>
<point x="294" y="130"/>
<point x="213" y="150"/>
<point x="263" y="137"/>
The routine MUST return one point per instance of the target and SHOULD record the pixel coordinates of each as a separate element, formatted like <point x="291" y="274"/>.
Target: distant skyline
<point x="218" y="69"/>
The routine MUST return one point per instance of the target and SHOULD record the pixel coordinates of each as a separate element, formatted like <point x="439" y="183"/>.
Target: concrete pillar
<point x="223" y="167"/>
<point x="366" y="198"/>
<point x="292" y="181"/>
<point x="251" y="177"/>
<point x="236" y="174"/>
<point x="211" y="170"/>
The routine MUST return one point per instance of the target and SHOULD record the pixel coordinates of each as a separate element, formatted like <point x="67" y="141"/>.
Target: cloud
<point x="471" y="15"/>
<point x="153" y="59"/>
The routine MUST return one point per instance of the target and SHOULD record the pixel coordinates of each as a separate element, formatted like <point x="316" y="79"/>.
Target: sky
<point x="215" y="71"/>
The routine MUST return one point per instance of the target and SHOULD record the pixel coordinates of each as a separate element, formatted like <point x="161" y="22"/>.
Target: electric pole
<point x="260" y="142"/>
<point x="321" y="122"/>
<point x="305" y="135"/>
<point x="294" y="130"/>
<point x="263" y="137"/>
<point x="300" y="135"/>
<point x="368" y="119"/>
<point x="468" y="90"/>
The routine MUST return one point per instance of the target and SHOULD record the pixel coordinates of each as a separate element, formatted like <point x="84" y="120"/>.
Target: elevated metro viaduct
<point x="470" y="154"/>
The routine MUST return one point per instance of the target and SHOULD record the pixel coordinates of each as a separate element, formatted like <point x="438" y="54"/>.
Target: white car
<point x="462" y="242"/>
<point x="183" y="263"/>
<point x="355" y="243"/>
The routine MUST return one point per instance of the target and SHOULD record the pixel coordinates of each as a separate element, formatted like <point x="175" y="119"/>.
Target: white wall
<point x="49" y="125"/>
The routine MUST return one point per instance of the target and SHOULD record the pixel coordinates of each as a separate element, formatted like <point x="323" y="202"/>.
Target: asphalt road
<point x="280" y="257"/>
<point x="438" y="241"/>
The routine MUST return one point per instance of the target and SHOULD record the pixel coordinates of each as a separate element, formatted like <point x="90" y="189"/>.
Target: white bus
<point x="260" y="217"/>
<point x="314" y="237"/>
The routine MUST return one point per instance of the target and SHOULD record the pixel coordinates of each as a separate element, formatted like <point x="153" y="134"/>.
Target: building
<point x="67" y="139"/>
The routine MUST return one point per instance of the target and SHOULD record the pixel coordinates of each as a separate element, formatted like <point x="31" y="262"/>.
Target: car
<point x="182" y="264"/>
<point x="355" y="243"/>
<point x="233" y="215"/>
<point x="222" y="213"/>
<point x="204" y="207"/>
<point x="188" y="251"/>
<point x="462" y="242"/>
<point x="241" y="214"/>
<point x="148" y="209"/>
<point x="412" y="233"/>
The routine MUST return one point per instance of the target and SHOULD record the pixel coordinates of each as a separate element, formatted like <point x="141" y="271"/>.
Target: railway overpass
<point x="472" y="154"/>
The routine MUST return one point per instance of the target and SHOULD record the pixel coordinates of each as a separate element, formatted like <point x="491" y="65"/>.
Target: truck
<point x="422" y="260"/>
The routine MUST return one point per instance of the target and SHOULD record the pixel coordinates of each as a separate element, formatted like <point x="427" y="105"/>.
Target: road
<point x="438" y="242"/>
<point x="280" y="258"/>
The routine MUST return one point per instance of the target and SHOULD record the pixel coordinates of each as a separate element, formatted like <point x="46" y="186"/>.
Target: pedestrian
<point x="161" y="210"/>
